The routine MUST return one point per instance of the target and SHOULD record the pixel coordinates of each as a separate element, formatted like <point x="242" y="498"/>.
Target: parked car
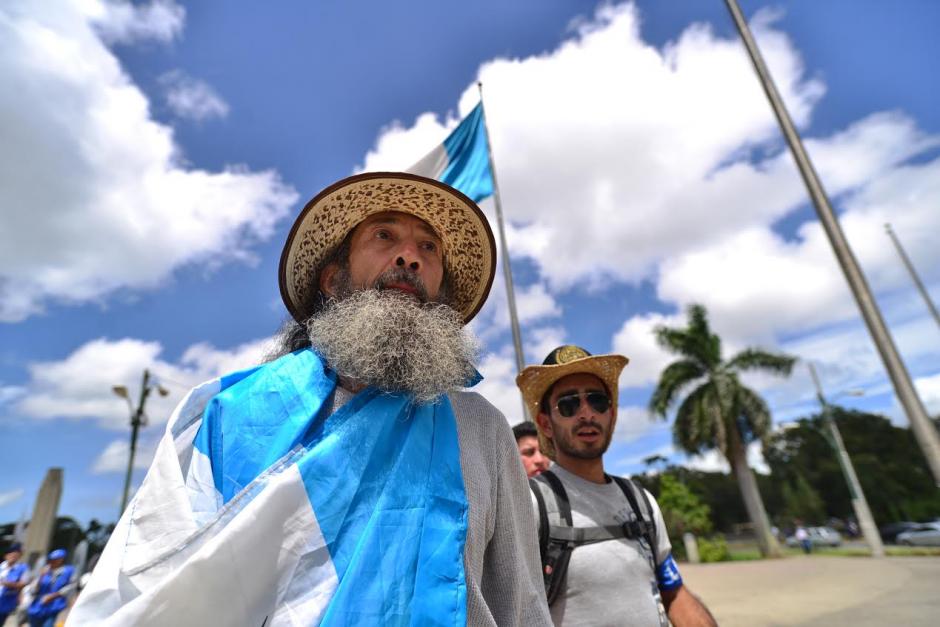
<point x="926" y="534"/>
<point x="889" y="533"/>
<point x="818" y="536"/>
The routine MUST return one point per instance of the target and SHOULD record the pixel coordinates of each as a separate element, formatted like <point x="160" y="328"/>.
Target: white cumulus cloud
<point x="11" y="496"/>
<point x="123" y="21"/>
<point x="499" y="385"/>
<point x="636" y="341"/>
<point x="607" y="176"/>
<point x="115" y="456"/>
<point x="929" y="390"/>
<point x="192" y="98"/>
<point x="671" y="169"/>
<point x="714" y="461"/>
<point x="94" y="194"/>
<point x="79" y="386"/>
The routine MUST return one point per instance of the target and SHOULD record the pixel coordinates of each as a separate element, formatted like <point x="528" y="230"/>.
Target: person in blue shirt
<point x="50" y="594"/>
<point x="14" y="576"/>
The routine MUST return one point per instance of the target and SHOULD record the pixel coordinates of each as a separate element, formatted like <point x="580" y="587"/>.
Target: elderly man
<point x="605" y="552"/>
<point x="349" y="480"/>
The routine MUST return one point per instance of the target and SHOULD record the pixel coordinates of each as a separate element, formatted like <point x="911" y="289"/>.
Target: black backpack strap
<point x="557" y="553"/>
<point x="564" y="505"/>
<point x="588" y="535"/>
<point x="543" y="518"/>
<point x="644" y="525"/>
<point x="654" y="531"/>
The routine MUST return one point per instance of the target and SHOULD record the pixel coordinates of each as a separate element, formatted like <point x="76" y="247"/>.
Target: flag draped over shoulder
<point x="265" y="507"/>
<point x="462" y="161"/>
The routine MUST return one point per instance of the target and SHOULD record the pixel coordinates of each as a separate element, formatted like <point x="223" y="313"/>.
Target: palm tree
<point x="719" y="412"/>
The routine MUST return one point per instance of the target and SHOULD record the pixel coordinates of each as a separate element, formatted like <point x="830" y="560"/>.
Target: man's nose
<point x="408" y="257"/>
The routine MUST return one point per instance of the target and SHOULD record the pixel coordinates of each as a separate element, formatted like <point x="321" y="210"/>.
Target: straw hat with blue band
<point x="534" y="381"/>
<point x="468" y="245"/>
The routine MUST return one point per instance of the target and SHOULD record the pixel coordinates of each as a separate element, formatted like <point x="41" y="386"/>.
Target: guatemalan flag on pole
<point x="463" y="160"/>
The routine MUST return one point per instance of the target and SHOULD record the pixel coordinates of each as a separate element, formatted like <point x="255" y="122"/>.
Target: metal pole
<point x="913" y="273"/>
<point x="923" y="429"/>
<point x="865" y="520"/>
<point x="504" y="251"/>
<point x="136" y="420"/>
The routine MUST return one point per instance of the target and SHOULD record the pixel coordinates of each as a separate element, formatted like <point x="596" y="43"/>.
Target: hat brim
<point x="469" y="248"/>
<point x="534" y="381"/>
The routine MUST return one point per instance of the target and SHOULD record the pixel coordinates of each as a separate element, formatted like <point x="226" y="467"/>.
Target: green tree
<point x="682" y="509"/>
<point x="802" y="502"/>
<point x="891" y="468"/>
<point x="719" y="411"/>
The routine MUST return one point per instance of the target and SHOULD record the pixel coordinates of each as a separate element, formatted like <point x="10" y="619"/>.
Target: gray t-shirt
<point x="611" y="582"/>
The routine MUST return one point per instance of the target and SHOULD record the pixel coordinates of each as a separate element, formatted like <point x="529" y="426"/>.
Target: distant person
<point x="851" y="528"/>
<point x="51" y="590"/>
<point x="802" y="538"/>
<point x="527" y="439"/>
<point x="606" y="554"/>
<point x="14" y="576"/>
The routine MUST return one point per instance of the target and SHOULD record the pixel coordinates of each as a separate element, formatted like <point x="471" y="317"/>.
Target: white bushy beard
<point x="391" y="340"/>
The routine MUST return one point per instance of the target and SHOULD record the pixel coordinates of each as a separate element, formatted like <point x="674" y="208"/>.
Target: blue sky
<point x="154" y="155"/>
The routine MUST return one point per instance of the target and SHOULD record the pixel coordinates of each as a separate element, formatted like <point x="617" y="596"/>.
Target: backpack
<point x="558" y="537"/>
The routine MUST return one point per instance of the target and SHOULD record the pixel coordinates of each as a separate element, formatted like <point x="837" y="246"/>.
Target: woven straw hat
<point x="534" y="381"/>
<point x="468" y="246"/>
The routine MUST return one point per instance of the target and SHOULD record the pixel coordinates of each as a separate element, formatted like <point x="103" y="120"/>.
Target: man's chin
<point x="585" y="452"/>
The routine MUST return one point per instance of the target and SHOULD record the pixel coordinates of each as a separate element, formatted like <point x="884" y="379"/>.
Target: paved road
<point x="816" y="591"/>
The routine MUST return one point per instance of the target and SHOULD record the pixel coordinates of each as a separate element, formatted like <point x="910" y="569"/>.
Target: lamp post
<point x="138" y="419"/>
<point x="859" y="504"/>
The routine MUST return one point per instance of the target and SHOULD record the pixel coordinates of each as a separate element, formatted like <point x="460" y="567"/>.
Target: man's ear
<point x="544" y="423"/>
<point x="326" y="279"/>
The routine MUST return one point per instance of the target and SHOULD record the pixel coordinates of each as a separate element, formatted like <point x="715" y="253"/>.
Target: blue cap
<point x="58" y="554"/>
<point x="16" y="546"/>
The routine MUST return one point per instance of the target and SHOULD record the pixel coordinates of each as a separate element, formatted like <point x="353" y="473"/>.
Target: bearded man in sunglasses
<point x="606" y="556"/>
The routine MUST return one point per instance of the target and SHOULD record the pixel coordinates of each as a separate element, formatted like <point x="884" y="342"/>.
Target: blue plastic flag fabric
<point x="383" y="478"/>
<point x="265" y="507"/>
<point x="462" y="161"/>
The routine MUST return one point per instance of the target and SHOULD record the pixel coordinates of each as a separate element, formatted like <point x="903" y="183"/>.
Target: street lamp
<point x="859" y="504"/>
<point x="138" y="419"/>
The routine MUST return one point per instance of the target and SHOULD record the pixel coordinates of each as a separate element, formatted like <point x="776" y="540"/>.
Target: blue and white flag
<point x="265" y="507"/>
<point x="462" y="161"/>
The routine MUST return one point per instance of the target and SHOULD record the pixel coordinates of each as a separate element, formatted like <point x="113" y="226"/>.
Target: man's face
<point x="11" y="557"/>
<point x="395" y="243"/>
<point x="533" y="460"/>
<point x="587" y="432"/>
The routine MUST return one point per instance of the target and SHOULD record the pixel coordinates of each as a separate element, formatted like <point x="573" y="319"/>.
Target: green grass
<point x="890" y="551"/>
<point x="913" y="551"/>
<point x="746" y="551"/>
<point x="745" y="555"/>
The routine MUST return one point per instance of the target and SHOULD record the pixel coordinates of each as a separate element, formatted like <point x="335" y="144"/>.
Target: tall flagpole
<point x="910" y="268"/>
<point x="923" y="428"/>
<point x="504" y="252"/>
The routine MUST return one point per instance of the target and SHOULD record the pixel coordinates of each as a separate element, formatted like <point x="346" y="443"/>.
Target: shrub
<point x="714" y="549"/>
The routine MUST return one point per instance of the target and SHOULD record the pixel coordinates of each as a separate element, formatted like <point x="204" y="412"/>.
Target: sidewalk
<point x="817" y="591"/>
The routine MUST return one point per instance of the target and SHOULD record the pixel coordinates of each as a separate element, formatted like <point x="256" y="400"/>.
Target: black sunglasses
<point x="568" y="404"/>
